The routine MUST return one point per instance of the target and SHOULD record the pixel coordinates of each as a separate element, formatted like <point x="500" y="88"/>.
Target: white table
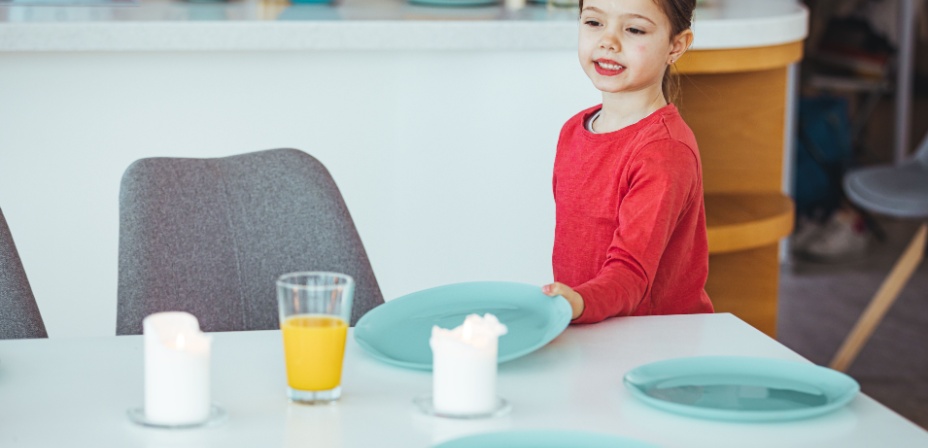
<point x="74" y="392"/>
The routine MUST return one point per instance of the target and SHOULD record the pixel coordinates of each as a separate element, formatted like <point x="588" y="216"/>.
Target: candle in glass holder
<point x="176" y="369"/>
<point x="464" y="366"/>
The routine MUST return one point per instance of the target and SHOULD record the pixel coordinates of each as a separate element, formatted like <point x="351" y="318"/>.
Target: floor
<point x="819" y="304"/>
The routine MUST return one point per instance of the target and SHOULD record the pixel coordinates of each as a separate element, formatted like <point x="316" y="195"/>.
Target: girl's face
<point x="625" y="45"/>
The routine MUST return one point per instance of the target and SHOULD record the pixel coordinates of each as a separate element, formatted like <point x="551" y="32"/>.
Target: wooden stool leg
<point x="880" y="303"/>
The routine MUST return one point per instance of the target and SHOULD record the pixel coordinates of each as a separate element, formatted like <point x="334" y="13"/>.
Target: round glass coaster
<point x="216" y="416"/>
<point x="425" y="404"/>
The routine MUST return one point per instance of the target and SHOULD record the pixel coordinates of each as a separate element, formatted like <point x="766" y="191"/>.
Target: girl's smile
<point x="608" y="67"/>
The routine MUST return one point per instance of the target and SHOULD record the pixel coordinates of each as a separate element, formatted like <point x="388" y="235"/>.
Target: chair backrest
<point x="19" y="313"/>
<point x="211" y="237"/>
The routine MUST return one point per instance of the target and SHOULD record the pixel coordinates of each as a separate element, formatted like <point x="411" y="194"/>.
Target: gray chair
<point x="211" y="236"/>
<point x="900" y="191"/>
<point x="19" y="314"/>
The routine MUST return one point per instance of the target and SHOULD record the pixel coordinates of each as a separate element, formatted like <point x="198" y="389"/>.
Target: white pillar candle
<point x="176" y="369"/>
<point x="464" y="366"/>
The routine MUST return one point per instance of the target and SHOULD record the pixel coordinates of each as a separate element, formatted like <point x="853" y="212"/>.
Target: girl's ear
<point x="679" y="44"/>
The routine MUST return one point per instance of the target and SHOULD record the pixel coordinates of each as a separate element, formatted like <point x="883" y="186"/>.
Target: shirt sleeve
<point x="662" y="179"/>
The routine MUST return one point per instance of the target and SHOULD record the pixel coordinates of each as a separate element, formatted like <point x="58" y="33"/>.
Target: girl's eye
<point x="591" y="22"/>
<point x="635" y="31"/>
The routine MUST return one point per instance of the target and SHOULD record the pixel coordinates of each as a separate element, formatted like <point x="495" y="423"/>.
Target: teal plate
<point x="544" y="439"/>
<point x="454" y="2"/>
<point x="398" y="331"/>
<point x="740" y="388"/>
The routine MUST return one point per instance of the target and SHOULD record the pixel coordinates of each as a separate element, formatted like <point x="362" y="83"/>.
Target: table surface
<point x="175" y="25"/>
<point x="68" y="392"/>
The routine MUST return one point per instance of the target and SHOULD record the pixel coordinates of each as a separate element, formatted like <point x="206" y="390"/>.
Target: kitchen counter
<point x="160" y="25"/>
<point x="438" y="124"/>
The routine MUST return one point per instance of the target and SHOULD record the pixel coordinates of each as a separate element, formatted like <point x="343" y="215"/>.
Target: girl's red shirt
<point x="630" y="234"/>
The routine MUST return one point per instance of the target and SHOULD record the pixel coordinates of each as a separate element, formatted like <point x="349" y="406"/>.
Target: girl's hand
<point x="573" y="298"/>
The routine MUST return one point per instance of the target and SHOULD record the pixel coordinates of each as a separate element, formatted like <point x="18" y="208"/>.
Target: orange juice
<point x="314" y="346"/>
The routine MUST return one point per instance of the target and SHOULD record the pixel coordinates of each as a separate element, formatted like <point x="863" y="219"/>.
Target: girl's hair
<point x="680" y="14"/>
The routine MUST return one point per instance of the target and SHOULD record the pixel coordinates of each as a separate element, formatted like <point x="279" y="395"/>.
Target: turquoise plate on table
<point x="454" y="2"/>
<point x="398" y="331"/>
<point x="544" y="439"/>
<point x="741" y="388"/>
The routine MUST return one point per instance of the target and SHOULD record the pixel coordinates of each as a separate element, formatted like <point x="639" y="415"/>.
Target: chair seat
<point x="900" y="191"/>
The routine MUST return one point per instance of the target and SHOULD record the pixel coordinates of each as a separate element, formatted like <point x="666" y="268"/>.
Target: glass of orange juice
<point x="315" y="308"/>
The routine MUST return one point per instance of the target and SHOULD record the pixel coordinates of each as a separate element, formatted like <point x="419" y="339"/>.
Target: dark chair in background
<point x="19" y="314"/>
<point x="899" y="191"/>
<point x="211" y="237"/>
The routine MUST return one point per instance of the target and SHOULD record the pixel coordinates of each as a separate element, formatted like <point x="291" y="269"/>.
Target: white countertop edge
<point x="761" y="32"/>
<point x="288" y="36"/>
<point x="360" y="35"/>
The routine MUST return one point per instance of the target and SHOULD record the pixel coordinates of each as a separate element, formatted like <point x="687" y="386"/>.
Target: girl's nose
<point x="610" y="43"/>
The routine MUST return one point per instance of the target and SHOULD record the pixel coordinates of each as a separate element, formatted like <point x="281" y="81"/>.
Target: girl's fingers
<point x="560" y="289"/>
<point x="553" y="289"/>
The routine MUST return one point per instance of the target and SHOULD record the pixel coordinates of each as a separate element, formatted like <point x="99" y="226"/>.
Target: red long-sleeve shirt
<point x="630" y="233"/>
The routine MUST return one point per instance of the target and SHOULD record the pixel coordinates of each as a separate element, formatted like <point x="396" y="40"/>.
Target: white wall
<point x="444" y="158"/>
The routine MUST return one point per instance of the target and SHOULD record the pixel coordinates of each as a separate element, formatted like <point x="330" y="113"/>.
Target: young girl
<point x="630" y="235"/>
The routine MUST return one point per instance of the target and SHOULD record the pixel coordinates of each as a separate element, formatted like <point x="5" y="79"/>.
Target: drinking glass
<point x="315" y="308"/>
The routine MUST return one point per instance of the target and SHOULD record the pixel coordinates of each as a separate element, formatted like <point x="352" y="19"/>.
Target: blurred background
<point x="839" y="255"/>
